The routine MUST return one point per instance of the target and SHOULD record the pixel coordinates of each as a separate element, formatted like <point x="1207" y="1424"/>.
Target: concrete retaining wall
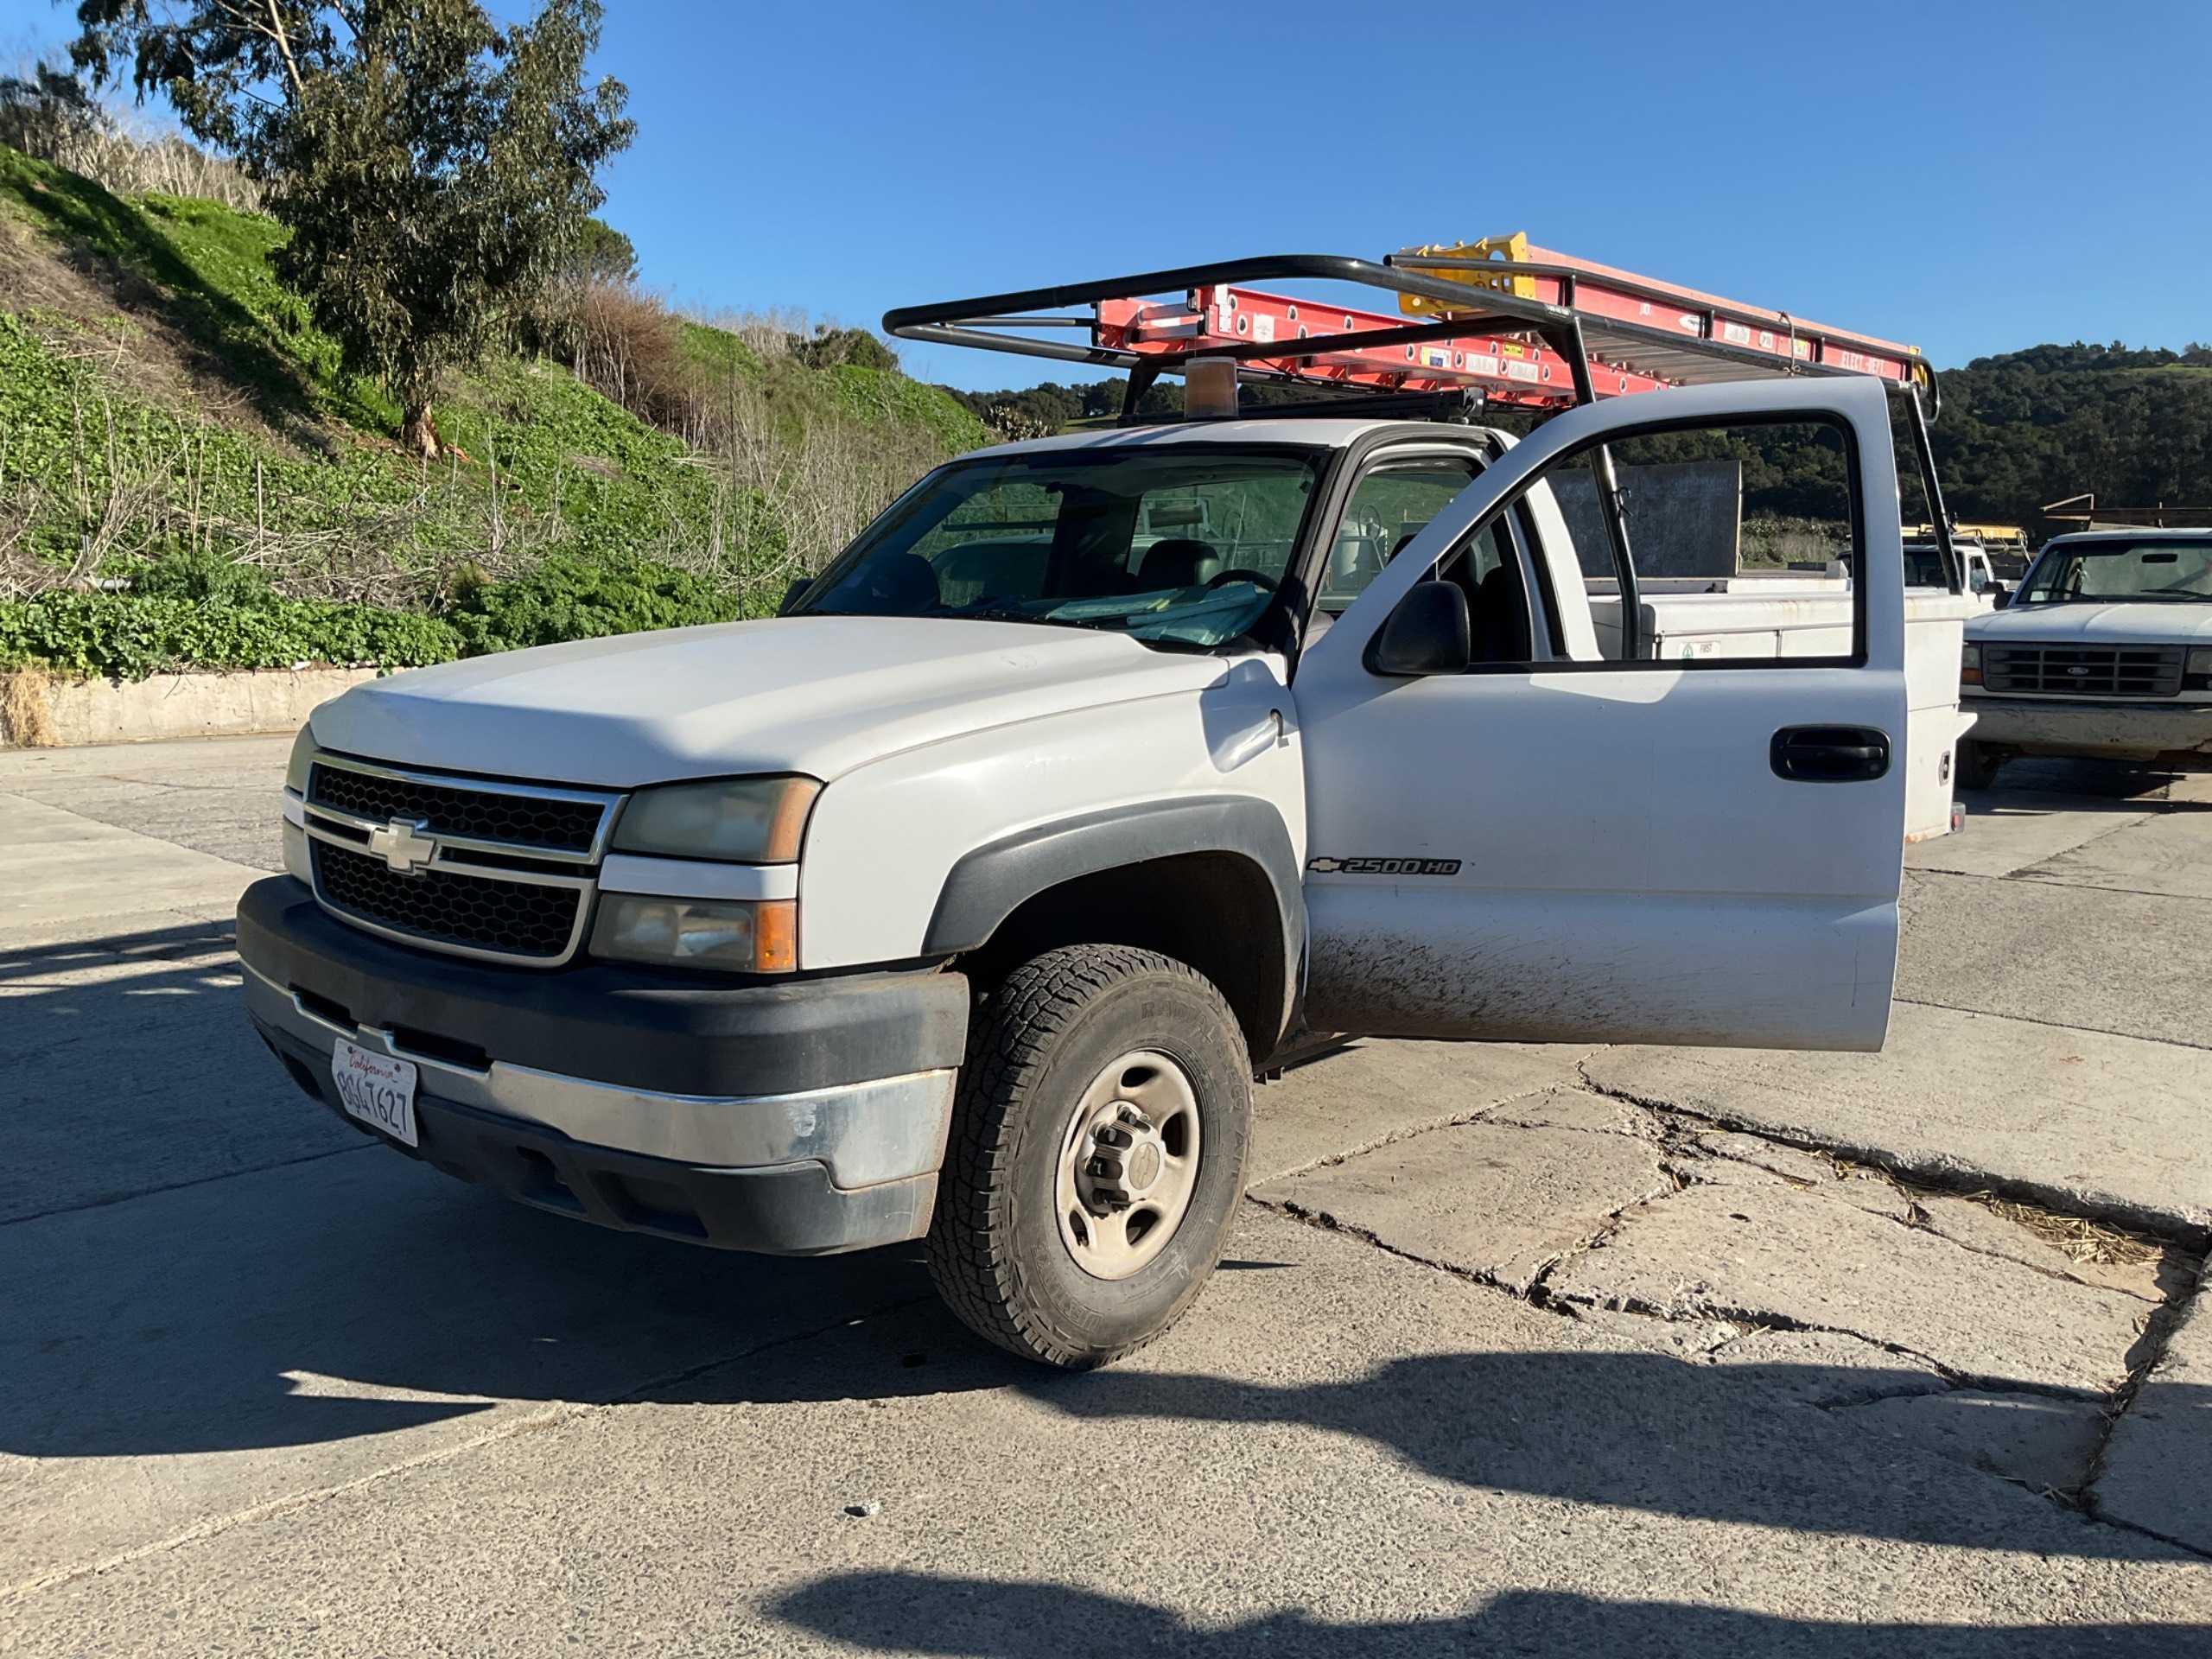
<point x="185" y="705"/>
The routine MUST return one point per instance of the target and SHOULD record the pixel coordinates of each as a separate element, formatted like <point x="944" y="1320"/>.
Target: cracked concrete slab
<point x="1977" y="1227"/>
<point x="1373" y="1093"/>
<point x="2163" y="854"/>
<point x="1736" y="1159"/>
<point x="1576" y="1108"/>
<point x="1800" y="1258"/>
<point x="2110" y="1126"/>
<point x="2158" y="1466"/>
<point x="1490" y="1199"/>
<point x="2044" y="1443"/>
<point x="2010" y="829"/>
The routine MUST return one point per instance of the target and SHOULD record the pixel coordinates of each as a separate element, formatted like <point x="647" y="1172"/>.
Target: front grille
<point x="486" y="814"/>
<point x="511" y="919"/>
<point x="2083" y="671"/>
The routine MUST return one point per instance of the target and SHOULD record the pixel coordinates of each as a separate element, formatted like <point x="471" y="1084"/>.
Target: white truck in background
<point x="964" y="900"/>
<point x="2104" y="651"/>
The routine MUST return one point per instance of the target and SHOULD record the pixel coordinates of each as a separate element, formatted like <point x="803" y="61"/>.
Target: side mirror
<point x="1999" y="595"/>
<point x="799" y="585"/>
<point x="1428" y="634"/>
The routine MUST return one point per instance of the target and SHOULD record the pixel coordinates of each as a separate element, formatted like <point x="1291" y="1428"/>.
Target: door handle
<point x="1830" y="754"/>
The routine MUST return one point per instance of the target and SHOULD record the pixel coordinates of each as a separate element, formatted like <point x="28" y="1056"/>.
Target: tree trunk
<point x="418" y="430"/>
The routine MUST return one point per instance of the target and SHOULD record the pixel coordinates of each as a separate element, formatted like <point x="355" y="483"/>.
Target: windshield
<point x="2150" y="571"/>
<point x="1176" y="546"/>
<point x="1923" y="566"/>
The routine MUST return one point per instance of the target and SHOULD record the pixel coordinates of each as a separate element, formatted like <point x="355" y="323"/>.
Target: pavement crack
<point x="1414" y="1131"/>
<point x="2031" y="874"/>
<point x="179" y="1186"/>
<point x="1764" y="1320"/>
<point x="2150" y="1348"/>
<point x="2189" y="1230"/>
<point x="2056" y="1025"/>
<point x="1323" y="1221"/>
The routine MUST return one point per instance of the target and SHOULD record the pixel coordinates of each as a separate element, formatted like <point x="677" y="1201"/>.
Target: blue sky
<point x="1969" y="177"/>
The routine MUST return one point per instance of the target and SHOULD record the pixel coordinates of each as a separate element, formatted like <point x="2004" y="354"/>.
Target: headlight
<point x="755" y="936"/>
<point x="745" y="820"/>
<point x="296" y="769"/>
<point x="1970" y="664"/>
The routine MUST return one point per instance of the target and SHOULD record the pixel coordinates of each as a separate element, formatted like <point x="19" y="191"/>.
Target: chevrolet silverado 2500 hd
<point x="963" y="901"/>
<point x="2105" y="651"/>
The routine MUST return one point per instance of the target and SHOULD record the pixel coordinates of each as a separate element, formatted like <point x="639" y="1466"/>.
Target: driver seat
<point x="1177" y="562"/>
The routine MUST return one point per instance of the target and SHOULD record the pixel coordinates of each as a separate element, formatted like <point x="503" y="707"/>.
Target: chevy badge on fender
<point x="1383" y="865"/>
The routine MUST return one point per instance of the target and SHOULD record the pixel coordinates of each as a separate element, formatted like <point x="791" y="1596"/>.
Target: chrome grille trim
<point x="350" y="832"/>
<point x="2082" y="670"/>
<point x="605" y="801"/>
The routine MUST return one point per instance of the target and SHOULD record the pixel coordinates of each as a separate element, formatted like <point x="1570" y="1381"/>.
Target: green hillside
<point x="187" y="476"/>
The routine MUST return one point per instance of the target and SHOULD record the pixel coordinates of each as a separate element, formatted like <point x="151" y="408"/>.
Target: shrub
<point x="830" y="348"/>
<point x="572" y="597"/>
<point x="205" y="577"/>
<point x="129" y="636"/>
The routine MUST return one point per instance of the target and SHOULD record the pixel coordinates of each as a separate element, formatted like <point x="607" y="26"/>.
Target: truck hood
<point x="2152" y="622"/>
<point x="818" y="694"/>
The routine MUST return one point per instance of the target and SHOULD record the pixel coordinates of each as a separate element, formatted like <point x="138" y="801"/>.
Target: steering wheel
<point x="1240" y="572"/>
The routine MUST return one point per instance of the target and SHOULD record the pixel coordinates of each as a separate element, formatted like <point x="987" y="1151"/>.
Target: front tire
<point x="1096" y="1156"/>
<point x="1974" y="765"/>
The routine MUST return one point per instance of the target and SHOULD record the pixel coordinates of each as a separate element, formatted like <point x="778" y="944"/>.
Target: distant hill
<point x="2031" y="427"/>
<point x="2016" y="431"/>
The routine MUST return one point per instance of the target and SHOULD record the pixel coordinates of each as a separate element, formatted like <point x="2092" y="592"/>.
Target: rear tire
<point x="1096" y="1155"/>
<point x="1974" y="765"/>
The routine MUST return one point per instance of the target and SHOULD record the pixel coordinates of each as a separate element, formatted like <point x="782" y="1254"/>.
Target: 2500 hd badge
<point x="1383" y="865"/>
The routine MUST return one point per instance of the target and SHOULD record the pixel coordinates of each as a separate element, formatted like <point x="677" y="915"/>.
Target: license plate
<point x="377" y="1089"/>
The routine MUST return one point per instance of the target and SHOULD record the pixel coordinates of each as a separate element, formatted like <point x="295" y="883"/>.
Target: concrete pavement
<point x="1517" y="1348"/>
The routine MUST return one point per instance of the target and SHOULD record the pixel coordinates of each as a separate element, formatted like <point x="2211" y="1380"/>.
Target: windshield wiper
<point x="1007" y="613"/>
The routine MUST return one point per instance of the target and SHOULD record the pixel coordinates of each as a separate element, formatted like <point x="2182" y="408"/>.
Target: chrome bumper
<point x="2177" y="733"/>
<point x="885" y="1129"/>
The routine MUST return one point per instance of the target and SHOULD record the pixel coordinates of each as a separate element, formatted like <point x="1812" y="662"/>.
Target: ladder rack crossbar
<point x="1542" y="332"/>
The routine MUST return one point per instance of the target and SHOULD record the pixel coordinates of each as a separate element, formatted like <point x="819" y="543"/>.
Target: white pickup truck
<point x="964" y="901"/>
<point x="2105" y="651"/>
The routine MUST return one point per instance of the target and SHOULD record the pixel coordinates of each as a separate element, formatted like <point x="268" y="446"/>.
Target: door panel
<point x="1606" y="852"/>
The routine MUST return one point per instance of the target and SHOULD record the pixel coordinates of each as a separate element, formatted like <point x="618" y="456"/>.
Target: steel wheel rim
<point x="1114" y="1225"/>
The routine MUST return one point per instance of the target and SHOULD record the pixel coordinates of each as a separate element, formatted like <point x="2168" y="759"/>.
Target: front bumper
<point x="2164" y="733"/>
<point x="790" y="1117"/>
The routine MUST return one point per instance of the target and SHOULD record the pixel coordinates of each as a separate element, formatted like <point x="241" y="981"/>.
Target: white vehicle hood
<point x="818" y="695"/>
<point x="2117" y="622"/>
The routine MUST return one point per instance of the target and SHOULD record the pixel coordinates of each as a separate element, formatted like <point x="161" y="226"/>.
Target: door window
<point x="1741" y="537"/>
<point x="1389" y="507"/>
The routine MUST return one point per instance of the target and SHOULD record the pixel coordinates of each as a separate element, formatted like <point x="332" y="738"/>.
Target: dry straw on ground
<point x="26" y="718"/>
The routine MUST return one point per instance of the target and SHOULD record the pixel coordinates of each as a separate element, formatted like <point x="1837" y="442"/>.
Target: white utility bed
<point x="1698" y="618"/>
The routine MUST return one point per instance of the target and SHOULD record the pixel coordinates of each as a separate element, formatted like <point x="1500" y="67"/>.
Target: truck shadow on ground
<point x="247" y="1320"/>
<point x="919" y="1613"/>
<point x="283" y="1297"/>
<point x="2081" y="785"/>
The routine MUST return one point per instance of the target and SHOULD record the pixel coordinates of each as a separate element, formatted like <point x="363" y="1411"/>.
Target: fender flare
<point x="992" y="880"/>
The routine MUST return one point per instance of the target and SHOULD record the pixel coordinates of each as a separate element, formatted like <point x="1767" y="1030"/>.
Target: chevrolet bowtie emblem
<point x="399" y="845"/>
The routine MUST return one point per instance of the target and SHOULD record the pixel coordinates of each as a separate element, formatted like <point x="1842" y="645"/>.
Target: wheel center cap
<point x="1144" y="1166"/>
